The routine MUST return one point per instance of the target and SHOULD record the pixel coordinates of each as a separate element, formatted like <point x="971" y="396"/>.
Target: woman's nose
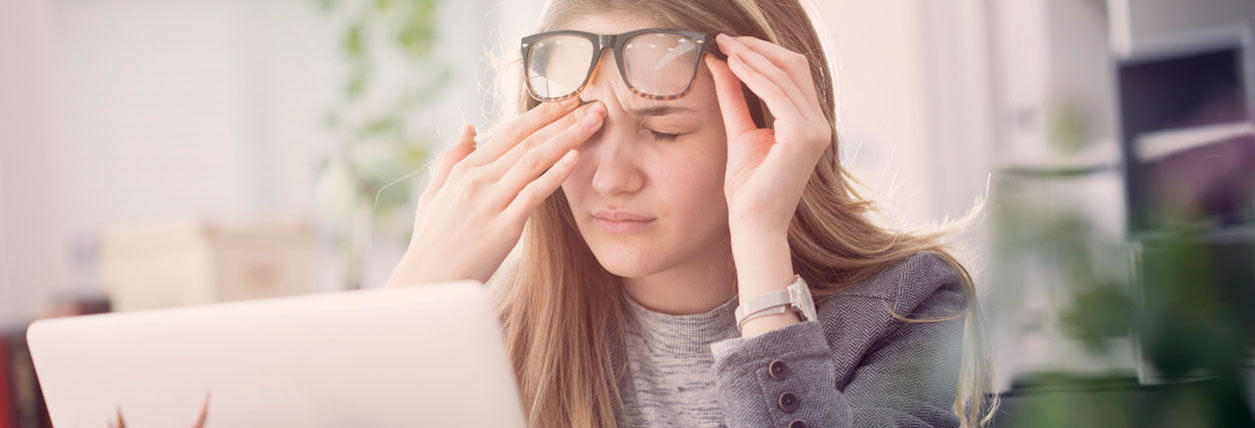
<point x="611" y="148"/>
<point x="616" y="171"/>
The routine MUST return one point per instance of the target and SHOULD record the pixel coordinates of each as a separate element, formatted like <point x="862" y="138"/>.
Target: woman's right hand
<point x="473" y="212"/>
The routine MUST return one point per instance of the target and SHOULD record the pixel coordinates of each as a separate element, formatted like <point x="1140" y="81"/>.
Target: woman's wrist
<point x="410" y="270"/>
<point x="763" y="264"/>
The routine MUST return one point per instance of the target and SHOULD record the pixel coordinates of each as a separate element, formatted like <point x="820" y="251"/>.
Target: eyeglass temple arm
<point x="713" y="49"/>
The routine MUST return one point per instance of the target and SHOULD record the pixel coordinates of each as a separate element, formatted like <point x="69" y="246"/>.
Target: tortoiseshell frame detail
<point x="704" y="43"/>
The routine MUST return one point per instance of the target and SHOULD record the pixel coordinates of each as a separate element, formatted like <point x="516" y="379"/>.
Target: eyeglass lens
<point x="658" y="64"/>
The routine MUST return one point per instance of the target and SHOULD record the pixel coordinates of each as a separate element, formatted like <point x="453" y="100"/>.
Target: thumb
<point x="444" y="165"/>
<point x="463" y="147"/>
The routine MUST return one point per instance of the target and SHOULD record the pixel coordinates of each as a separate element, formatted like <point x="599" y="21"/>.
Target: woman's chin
<point x="625" y="263"/>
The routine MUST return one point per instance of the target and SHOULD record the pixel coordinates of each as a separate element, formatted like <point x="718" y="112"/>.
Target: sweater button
<point x="797" y="424"/>
<point x="777" y="370"/>
<point x="788" y="402"/>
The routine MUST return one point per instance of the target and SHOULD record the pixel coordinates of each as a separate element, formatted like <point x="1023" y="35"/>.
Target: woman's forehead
<point x="605" y="23"/>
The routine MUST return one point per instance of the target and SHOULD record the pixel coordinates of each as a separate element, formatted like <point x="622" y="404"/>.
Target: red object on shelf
<point x="6" y="414"/>
<point x="22" y="401"/>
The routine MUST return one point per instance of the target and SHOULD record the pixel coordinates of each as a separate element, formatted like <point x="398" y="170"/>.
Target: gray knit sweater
<point x="857" y="366"/>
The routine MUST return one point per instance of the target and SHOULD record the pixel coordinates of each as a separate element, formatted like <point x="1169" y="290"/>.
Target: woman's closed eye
<point x="661" y="136"/>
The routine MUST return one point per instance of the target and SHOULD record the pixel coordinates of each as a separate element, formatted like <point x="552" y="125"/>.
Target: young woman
<point x="649" y="191"/>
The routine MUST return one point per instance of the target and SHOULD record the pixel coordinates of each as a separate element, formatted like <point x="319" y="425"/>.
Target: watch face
<point x="803" y="299"/>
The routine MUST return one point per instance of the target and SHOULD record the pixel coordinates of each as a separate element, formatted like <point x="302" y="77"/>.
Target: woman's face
<point x="646" y="203"/>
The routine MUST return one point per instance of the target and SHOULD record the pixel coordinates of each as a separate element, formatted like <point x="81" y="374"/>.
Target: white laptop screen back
<point x="428" y="355"/>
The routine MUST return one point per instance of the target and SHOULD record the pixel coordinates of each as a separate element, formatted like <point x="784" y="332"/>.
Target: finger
<point x="796" y="65"/>
<point x="462" y="148"/>
<point x="539" y="189"/>
<point x="735" y="111"/>
<point x="534" y="163"/>
<point x="199" y="420"/>
<point x="771" y="93"/>
<point x="118" y="422"/>
<point x="508" y="160"/>
<point x="520" y="128"/>
<point x="772" y="72"/>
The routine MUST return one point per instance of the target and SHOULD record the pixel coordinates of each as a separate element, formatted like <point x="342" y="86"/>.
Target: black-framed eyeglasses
<point x="655" y="63"/>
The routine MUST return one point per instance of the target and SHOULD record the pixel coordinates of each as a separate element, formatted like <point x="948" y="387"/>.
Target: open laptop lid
<point x="429" y="355"/>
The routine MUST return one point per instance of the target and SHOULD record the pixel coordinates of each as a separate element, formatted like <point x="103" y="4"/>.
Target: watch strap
<point x="774" y="302"/>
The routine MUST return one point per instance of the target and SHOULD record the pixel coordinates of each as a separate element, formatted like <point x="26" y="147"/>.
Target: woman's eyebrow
<point x="658" y="111"/>
<point x="655" y="110"/>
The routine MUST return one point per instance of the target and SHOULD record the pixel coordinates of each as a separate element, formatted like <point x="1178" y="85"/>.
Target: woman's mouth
<point x="622" y="221"/>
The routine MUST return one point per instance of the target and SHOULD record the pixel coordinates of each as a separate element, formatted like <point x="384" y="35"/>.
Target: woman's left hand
<point x="767" y="167"/>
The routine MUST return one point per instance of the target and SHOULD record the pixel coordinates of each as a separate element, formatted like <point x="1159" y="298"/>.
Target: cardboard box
<point x="195" y="262"/>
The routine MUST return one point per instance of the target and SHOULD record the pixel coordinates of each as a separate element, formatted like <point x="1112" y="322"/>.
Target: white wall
<point x="32" y="259"/>
<point x="959" y="83"/>
<point x="878" y="49"/>
<point x="188" y="107"/>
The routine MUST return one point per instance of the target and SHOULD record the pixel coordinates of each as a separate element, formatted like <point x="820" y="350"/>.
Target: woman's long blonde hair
<point x="558" y="304"/>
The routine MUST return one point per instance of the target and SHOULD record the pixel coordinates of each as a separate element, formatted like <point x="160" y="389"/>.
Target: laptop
<point x="426" y="355"/>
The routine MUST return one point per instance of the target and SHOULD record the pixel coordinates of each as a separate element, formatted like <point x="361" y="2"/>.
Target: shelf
<point x="1098" y="157"/>
<point x="1157" y="145"/>
<point x="1244" y="232"/>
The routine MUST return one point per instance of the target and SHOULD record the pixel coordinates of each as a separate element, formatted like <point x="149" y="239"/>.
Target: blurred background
<point x="158" y="153"/>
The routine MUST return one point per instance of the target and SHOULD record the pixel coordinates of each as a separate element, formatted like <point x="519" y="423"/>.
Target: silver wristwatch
<point x="797" y="296"/>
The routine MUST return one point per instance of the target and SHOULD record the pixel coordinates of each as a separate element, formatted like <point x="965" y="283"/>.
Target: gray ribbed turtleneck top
<point x="670" y="370"/>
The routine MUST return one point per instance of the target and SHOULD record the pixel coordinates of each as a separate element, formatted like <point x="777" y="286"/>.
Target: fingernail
<point x="569" y="157"/>
<point x="570" y="101"/>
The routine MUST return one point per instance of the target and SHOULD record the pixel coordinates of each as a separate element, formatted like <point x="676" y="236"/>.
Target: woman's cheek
<point x="579" y="180"/>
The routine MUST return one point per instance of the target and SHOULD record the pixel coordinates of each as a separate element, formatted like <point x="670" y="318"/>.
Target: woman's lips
<point x="622" y="226"/>
<point x="622" y="221"/>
